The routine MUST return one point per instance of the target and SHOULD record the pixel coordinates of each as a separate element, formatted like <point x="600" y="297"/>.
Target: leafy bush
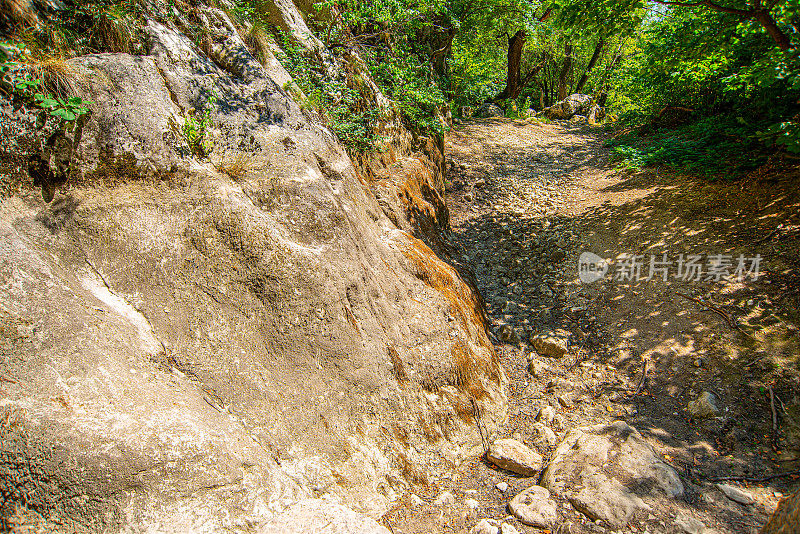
<point x="348" y="114"/>
<point x="389" y="35"/>
<point x="785" y="134"/>
<point x="741" y="89"/>
<point x="710" y="146"/>
<point x="68" y="109"/>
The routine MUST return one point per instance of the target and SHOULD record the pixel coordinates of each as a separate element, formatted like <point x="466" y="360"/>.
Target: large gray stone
<point x="576" y="104"/>
<point x="608" y="471"/>
<point x="489" y="110"/>
<point x="535" y="507"/>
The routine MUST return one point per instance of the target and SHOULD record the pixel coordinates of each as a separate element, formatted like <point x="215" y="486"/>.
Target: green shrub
<point x="711" y="146"/>
<point x="348" y="114"/>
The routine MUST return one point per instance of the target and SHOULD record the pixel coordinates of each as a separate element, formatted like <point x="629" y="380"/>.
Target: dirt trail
<point x="526" y="199"/>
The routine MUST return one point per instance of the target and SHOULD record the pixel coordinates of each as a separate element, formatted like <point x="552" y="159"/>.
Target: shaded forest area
<point x="706" y="87"/>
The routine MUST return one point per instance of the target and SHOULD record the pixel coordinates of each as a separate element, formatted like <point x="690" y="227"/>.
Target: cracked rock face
<point x="189" y="346"/>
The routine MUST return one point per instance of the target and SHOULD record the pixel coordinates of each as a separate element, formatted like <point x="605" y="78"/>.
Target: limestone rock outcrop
<point x="201" y="343"/>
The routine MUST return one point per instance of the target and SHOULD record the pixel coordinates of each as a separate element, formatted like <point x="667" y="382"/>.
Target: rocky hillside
<point x="211" y="318"/>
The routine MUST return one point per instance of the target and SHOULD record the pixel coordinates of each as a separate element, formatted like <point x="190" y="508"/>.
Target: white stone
<point x="546" y="415"/>
<point x="445" y="499"/>
<point x="486" y="526"/>
<point x="514" y="456"/>
<point x="736" y="494"/>
<point x="502" y="486"/>
<point x="689" y="524"/>
<point x="535" y="507"/>
<point x="543" y="436"/>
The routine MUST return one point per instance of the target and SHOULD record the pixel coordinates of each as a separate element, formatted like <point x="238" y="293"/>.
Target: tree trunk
<point x="566" y="67"/>
<point x="513" y="85"/>
<point x="442" y="45"/>
<point x="601" y="99"/>
<point x="595" y="56"/>
<point x="769" y="24"/>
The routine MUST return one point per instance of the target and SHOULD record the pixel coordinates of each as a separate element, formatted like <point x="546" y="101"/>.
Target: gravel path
<point x="525" y="200"/>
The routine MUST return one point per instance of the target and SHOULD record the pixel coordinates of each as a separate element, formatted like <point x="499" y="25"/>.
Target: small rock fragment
<point x="546" y="415"/>
<point x="705" y="405"/>
<point x="445" y="499"/>
<point x="486" y="526"/>
<point x="415" y="499"/>
<point x="736" y="494"/>
<point x="472" y="508"/>
<point x="535" y="507"/>
<point x="502" y="486"/>
<point x="558" y="423"/>
<point x="505" y="528"/>
<point x="550" y="344"/>
<point x="543" y="437"/>
<point x="689" y="524"/>
<point x="507" y="334"/>
<point x="514" y="456"/>
<point x="537" y="369"/>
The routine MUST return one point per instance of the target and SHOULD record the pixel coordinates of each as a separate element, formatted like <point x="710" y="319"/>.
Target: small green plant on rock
<point x="341" y="105"/>
<point x="26" y="86"/>
<point x="68" y="109"/>
<point x="195" y="129"/>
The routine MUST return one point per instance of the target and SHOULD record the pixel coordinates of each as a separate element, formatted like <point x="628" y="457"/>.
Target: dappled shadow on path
<point x="670" y="339"/>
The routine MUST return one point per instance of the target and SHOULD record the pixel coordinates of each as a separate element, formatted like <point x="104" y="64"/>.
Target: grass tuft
<point x="58" y="76"/>
<point x="20" y="13"/>
<point x="237" y="164"/>
<point x="259" y="41"/>
<point x="112" y="30"/>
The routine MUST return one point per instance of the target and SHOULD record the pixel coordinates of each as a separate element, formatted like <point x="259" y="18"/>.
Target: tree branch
<point x="711" y="5"/>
